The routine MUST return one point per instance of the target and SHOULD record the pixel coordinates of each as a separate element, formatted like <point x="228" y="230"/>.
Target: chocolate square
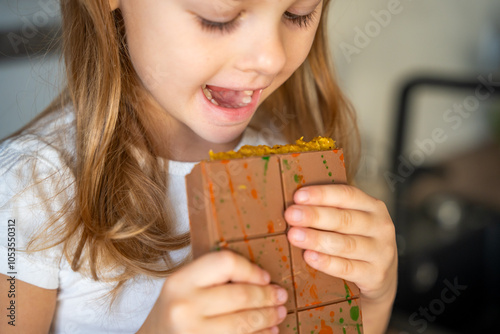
<point x="310" y="168"/>
<point x="314" y="287"/>
<point x="271" y="253"/>
<point x="233" y="200"/>
<point x="289" y="325"/>
<point x="343" y="317"/>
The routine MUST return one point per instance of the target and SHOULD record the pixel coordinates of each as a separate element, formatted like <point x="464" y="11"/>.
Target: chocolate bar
<point x="238" y="204"/>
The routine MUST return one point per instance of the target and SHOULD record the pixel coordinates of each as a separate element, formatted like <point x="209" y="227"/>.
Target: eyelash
<point x="302" y="21"/>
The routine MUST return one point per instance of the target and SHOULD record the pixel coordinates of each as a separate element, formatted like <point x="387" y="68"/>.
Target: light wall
<point x="375" y="53"/>
<point x="27" y="85"/>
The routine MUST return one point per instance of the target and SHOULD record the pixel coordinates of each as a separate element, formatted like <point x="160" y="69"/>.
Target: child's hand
<point x="350" y="235"/>
<point x="199" y="299"/>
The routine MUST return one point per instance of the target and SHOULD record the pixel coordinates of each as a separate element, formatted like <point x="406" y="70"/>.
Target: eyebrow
<point x="247" y="0"/>
<point x="295" y="1"/>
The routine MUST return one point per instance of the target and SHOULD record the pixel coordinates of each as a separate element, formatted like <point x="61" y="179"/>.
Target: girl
<point x="94" y="187"/>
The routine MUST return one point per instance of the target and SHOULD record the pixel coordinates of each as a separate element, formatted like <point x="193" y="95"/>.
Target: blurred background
<point x="30" y="70"/>
<point x="424" y="77"/>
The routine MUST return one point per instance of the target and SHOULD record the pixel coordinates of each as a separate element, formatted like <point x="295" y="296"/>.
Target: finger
<point x="272" y="330"/>
<point x="330" y="219"/>
<point x="220" y="267"/>
<point x="352" y="270"/>
<point x="336" y="195"/>
<point x="231" y="298"/>
<point x="352" y="247"/>
<point x="249" y="321"/>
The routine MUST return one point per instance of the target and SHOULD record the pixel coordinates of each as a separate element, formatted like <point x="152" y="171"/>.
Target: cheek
<point x="297" y="50"/>
<point x="298" y="47"/>
<point x="161" y="66"/>
<point x="161" y="47"/>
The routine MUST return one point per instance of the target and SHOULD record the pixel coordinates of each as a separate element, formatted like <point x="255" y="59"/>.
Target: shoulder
<point x="50" y="142"/>
<point x="37" y="163"/>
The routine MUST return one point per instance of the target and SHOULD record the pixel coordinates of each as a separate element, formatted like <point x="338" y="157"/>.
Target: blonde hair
<point x="118" y="217"/>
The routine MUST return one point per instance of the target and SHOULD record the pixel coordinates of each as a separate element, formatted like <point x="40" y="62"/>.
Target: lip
<point x="231" y="115"/>
<point x="255" y="89"/>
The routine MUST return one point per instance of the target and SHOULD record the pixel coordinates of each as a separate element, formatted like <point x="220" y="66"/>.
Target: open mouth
<point x="228" y="98"/>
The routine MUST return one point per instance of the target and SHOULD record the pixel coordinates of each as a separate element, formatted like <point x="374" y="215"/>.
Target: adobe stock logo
<point x="437" y="306"/>
<point x="32" y="26"/>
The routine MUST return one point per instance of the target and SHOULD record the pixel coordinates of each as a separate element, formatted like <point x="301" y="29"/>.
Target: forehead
<point x="235" y="2"/>
<point x="228" y="5"/>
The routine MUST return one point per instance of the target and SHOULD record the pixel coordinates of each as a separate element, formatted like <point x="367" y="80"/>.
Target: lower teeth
<point x="245" y="101"/>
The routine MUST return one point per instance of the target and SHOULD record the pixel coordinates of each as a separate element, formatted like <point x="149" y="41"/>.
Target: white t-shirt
<point x="39" y="157"/>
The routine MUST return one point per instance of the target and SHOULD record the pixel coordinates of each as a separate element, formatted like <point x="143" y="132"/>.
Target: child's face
<point x="179" y="47"/>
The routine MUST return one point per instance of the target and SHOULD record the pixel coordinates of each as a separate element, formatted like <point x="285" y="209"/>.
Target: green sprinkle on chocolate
<point x="355" y="313"/>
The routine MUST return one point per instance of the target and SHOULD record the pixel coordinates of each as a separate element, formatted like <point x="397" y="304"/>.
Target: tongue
<point x="226" y="98"/>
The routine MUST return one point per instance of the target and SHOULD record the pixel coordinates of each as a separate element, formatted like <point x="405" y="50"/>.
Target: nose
<point x="263" y="52"/>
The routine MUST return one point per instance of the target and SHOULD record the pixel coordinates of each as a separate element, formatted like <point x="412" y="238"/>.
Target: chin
<point x="218" y="135"/>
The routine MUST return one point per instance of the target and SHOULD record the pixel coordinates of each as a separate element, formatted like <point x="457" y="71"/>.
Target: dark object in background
<point x="448" y="223"/>
<point x="17" y="44"/>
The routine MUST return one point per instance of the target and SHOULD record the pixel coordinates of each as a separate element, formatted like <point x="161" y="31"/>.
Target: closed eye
<point x="302" y="21"/>
<point x="223" y="27"/>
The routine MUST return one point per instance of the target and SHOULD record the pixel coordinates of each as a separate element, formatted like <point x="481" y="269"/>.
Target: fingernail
<point x="302" y="196"/>
<point x="312" y="255"/>
<point x="281" y="312"/>
<point x="266" y="276"/>
<point x="298" y="235"/>
<point x="296" y="214"/>
<point x="281" y="295"/>
<point x="275" y="330"/>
